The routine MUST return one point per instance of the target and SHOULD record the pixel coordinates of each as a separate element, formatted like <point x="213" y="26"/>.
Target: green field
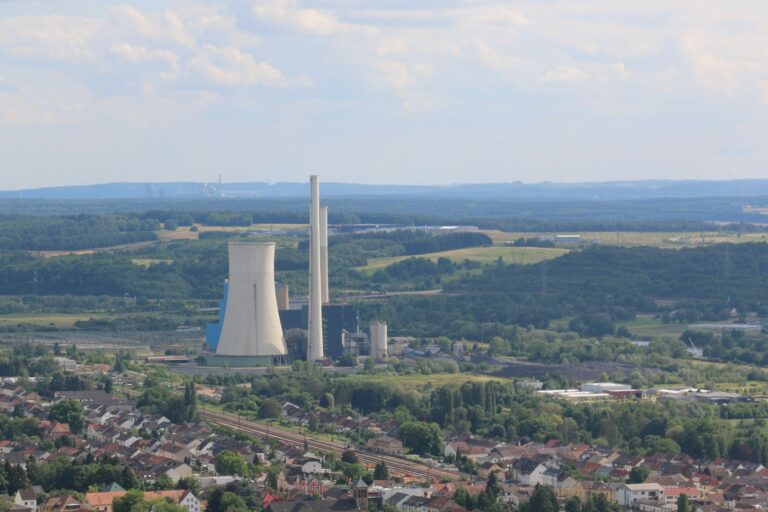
<point x="485" y="255"/>
<point x="185" y="232"/>
<point x="648" y="325"/>
<point x="52" y="320"/>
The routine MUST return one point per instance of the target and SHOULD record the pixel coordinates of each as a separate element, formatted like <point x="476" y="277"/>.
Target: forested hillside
<point x="598" y="286"/>
<point x="606" y="276"/>
<point x="73" y="232"/>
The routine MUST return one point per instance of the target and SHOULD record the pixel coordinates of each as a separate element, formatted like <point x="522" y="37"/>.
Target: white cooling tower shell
<point x="251" y="323"/>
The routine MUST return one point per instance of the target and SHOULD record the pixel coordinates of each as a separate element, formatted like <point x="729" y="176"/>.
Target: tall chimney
<point x="324" y="254"/>
<point x="315" y="338"/>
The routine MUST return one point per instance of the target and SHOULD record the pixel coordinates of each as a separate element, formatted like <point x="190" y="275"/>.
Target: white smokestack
<point x="315" y="338"/>
<point x="251" y="323"/>
<point x="324" y="254"/>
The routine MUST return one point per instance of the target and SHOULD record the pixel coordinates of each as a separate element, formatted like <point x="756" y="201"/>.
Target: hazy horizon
<point x="434" y="93"/>
<point x="396" y="184"/>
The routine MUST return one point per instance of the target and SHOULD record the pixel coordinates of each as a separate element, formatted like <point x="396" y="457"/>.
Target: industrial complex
<point x="259" y="325"/>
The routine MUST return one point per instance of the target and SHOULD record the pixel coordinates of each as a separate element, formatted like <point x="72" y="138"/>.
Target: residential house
<point x="387" y="445"/>
<point x="415" y="504"/>
<point x="671" y="494"/>
<point x="54" y="430"/>
<point x="595" y="488"/>
<point x="102" y="501"/>
<point x="529" y="472"/>
<point x="628" y="494"/>
<point x="397" y="500"/>
<point x="327" y="505"/>
<point x="64" y="503"/>
<point x="26" y="498"/>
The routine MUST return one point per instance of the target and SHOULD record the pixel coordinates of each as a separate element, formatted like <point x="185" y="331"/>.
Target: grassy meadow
<point x="485" y="255"/>
<point x="58" y="320"/>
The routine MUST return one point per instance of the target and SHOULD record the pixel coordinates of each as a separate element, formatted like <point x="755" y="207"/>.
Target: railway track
<point x="405" y="467"/>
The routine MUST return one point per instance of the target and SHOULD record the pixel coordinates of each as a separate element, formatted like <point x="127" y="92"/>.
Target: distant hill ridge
<point x="602" y="191"/>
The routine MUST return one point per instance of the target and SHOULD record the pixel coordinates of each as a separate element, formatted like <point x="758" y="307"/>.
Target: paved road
<point x="384" y="295"/>
<point x="395" y="465"/>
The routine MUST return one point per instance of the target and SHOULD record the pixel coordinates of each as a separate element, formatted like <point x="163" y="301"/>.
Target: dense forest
<point x="619" y="280"/>
<point x="73" y="232"/>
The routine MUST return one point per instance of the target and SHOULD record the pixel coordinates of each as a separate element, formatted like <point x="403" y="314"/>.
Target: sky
<point x="383" y="91"/>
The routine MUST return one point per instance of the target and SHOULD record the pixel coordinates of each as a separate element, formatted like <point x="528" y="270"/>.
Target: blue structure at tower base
<point x="245" y="361"/>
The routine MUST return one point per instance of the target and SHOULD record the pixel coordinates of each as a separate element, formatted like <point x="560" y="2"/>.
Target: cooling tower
<point x="251" y="324"/>
<point x="315" y="335"/>
<point x="324" y="254"/>
<point x="379" y="339"/>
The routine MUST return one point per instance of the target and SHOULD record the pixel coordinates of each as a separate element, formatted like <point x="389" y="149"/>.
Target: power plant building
<point x="338" y="321"/>
<point x="283" y="298"/>
<point x="250" y="332"/>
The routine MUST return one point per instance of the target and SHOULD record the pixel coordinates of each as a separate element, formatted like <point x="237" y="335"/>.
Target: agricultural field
<point x="648" y="325"/>
<point x="58" y="320"/>
<point x="186" y="233"/>
<point x="485" y="255"/>
<point x="667" y="240"/>
<point x="82" y="252"/>
<point x="180" y="233"/>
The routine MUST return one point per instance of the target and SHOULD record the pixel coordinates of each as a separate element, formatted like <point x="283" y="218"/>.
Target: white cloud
<point x="497" y="59"/>
<point x="476" y="60"/>
<point x="51" y="37"/>
<point x="400" y="74"/>
<point x="724" y="77"/>
<point x="488" y="15"/>
<point x="316" y="22"/>
<point x="619" y="69"/>
<point x="140" y="53"/>
<point x="36" y="105"/>
<point x="230" y="66"/>
<point x="165" y="26"/>
<point x="564" y="73"/>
